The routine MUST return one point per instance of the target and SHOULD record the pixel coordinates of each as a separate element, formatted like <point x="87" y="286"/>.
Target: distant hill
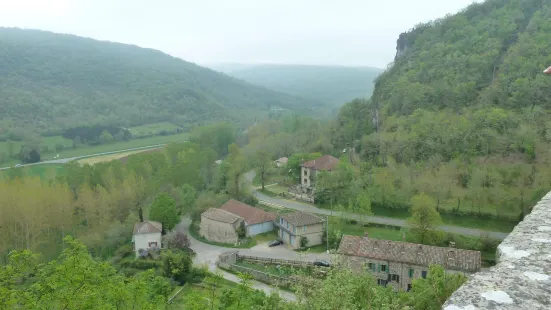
<point x="50" y="82"/>
<point x="334" y="85"/>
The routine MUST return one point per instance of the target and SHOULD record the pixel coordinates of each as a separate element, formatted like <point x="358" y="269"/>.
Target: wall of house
<point x="402" y="270"/>
<point x="314" y="233"/>
<point x="305" y="174"/>
<point x="141" y="241"/>
<point x="260" y="228"/>
<point x="218" y="231"/>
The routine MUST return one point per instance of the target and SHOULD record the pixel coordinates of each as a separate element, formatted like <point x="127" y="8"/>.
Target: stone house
<point x="220" y="226"/>
<point x="309" y="169"/>
<point x="146" y="235"/>
<point x="256" y="220"/>
<point x="399" y="263"/>
<point x="294" y="226"/>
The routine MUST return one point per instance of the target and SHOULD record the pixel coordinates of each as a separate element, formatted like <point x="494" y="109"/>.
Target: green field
<point x="152" y="129"/>
<point x="111" y="147"/>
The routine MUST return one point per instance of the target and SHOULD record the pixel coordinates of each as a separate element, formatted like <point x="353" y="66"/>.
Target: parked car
<point x="18" y="165"/>
<point x="322" y="263"/>
<point x="275" y="243"/>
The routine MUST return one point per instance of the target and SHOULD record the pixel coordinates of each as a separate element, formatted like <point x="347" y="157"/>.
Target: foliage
<point x="163" y="209"/>
<point x="178" y="240"/>
<point x="425" y="219"/>
<point x="432" y="292"/>
<point x="176" y="265"/>
<point x="188" y="196"/>
<point x="241" y="230"/>
<point x="303" y="242"/>
<point x="75" y="281"/>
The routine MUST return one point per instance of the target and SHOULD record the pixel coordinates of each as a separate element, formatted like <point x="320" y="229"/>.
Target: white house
<point x="256" y="220"/>
<point x="147" y="235"/>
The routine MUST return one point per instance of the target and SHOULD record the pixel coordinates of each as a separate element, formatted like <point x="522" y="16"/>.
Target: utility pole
<point x="327" y="232"/>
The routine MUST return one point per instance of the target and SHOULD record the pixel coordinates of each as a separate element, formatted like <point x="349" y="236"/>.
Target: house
<point x="398" y="263"/>
<point x="220" y="225"/>
<point x="296" y="225"/>
<point x="146" y="235"/>
<point x="281" y="162"/>
<point x="256" y="220"/>
<point x="309" y="168"/>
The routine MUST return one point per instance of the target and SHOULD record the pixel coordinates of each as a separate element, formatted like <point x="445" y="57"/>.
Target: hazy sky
<point x="336" y="32"/>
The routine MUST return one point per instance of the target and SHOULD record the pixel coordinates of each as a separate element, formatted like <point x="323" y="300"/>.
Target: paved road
<point x="68" y="159"/>
<point x="208" y="254"/>
<point x="306" y="207"/>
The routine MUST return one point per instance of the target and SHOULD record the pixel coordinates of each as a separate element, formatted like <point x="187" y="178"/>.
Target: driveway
<point x="306" y="207"/>
<point x="208" y="254"/>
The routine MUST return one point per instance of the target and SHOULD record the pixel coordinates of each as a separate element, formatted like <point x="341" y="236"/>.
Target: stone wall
<point x="218" y="231"/>
<point x="522" y="277"/>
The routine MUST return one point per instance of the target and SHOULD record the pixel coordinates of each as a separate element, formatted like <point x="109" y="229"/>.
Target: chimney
<point x="452" y="244"/>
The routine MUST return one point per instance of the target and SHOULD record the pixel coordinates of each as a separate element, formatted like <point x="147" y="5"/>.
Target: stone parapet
<point x="521" y="278"/>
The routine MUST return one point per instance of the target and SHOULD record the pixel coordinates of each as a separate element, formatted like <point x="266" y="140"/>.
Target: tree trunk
<point x="140" y="214"/>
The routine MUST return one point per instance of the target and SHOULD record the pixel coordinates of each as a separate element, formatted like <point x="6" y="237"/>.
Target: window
<point x="372" y="267"/>
<point x="395" y="278"/>
<point x="152" y="244"/>
<point x="411" y="271"/>
<point x="409" y="287"/>
<point x="382" y="282"/>
<point x="305" y="172"/>
<point x="424" y="274"/>
<point x="303" y="228"/>
<point x="383" y="268"/>
<point x="305" y="180"/>
<point x="294" y="229"/>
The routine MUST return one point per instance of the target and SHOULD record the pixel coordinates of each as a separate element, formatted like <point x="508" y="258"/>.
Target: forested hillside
<point x="463" y="113"/>
<point x="54" y="81"/>
<point x="334" y="85"/>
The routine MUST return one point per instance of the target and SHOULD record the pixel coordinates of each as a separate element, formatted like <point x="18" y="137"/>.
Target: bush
<point x="178" y="240"/>
<point x="141" y="264"/>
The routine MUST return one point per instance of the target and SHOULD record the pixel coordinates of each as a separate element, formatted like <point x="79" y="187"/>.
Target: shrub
<point x="178" y="240"/>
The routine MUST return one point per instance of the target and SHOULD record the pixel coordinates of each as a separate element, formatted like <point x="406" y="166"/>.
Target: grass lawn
<point x="43" y="171"/>
<point x="320" y="248"/>
<point x="110" y="157"/>
<point x="111" y="147"/>
<point x="274" y="209"/>
<point x="265" y="237"/>
<point x="152" y="129"/>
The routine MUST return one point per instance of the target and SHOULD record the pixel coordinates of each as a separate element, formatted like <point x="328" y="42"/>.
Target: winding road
<point x="207" y="254"/>
<point x="306" y="207"/>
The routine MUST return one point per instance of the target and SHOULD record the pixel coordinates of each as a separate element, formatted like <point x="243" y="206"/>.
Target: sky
<point x="321" y="32"/>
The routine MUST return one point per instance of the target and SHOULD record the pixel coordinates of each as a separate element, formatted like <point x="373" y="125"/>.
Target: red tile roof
<point x="147" y="227"/>
<point x="220" y="215"/>
<point x="251" y="215"/>
<point x="326" y="162"/>
<point x="411" y="253"/>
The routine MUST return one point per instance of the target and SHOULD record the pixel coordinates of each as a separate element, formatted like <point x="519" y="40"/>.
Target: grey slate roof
<point x="220" y="215"/>
<point x="147" y="227"/>
<point x="411" y="253"/>
<point x="301" y="218"/>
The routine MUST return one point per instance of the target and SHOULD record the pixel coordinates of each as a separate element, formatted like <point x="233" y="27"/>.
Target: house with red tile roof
<point x="310" y="168"/>
<point x="256" y="220"/>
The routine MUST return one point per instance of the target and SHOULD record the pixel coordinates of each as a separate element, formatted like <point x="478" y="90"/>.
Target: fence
<point x="273" y="261"/>
<point x="263" y="276"/>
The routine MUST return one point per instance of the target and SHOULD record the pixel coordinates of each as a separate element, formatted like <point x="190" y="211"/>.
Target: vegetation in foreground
<point x="76" y="280"/>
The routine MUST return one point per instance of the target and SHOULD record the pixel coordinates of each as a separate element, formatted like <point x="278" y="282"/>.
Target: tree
<point x="263" y="162"/>
<point x="188" y="196"/>
<point x="237" y="168"/>
<point x="241" y="230"/>
<point x="176" y="265"/>
<point x="424" y="219"/>
<point x="10" y="147"/>
<point x="432" y="292"/>
<point x="106" y="137"/>
<point x="303" y="242"/>
<point x="29" y="154"/>
<point x="178" y="240"/>
<point x="163" y="209"/>
<point x="362" y="205"/>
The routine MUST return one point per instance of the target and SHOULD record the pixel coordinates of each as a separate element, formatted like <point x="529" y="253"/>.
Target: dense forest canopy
<point x="51" y="82"/>
<point x="334" y="85"/>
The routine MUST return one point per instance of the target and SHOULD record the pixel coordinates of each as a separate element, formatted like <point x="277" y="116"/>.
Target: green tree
<point x="176" y="265"/>
<point x="188" y="196"/>
<point x="237" y="167"/>
<point x="432" y="292"/>
<point x="424" y="219"/>
<point x="163" y="209"/>
<point x="106" y="137"/>
<point x="263" y="162"/>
